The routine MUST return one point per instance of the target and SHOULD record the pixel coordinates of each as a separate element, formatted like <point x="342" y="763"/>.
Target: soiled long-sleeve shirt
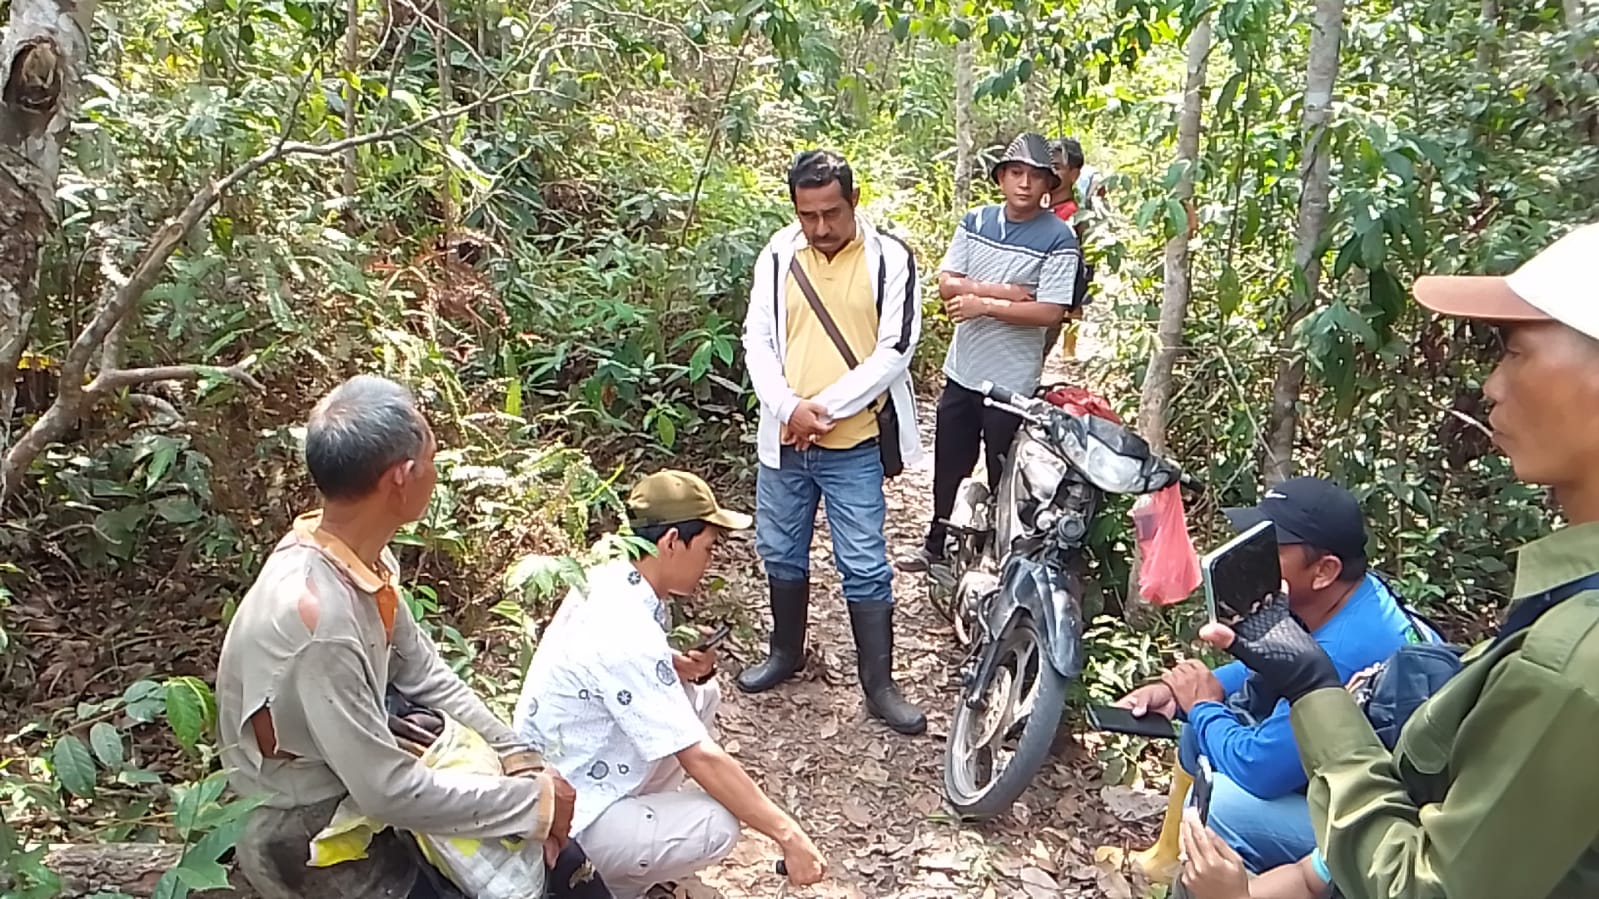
<point x="317" y="641"/>
<point x="1491" y="790"/>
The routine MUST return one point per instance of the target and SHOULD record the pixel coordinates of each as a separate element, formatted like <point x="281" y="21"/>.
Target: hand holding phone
<point x="712" y="640"/>
<point x="1121" y="721"/>
<point x="1204" y="784"/>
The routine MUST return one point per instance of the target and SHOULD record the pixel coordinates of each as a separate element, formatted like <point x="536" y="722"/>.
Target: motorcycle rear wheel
<point x="983" y="774"/>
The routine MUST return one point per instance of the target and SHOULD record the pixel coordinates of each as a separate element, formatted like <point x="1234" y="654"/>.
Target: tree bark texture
<point x="352" y="62"/>
<point x="132" y="868"/>
<point x="963" y="126"/>
<point x="1310" y="233"/>
<point x="1155" y="403"/>
<point x="42" y="56"/>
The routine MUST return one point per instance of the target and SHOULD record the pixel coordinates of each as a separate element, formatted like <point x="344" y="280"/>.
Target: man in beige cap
<point x="1490" y="790"/>
<point x="626" y="718"/>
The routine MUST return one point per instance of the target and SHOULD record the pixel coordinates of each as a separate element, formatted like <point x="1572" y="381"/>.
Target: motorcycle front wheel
<point x="996" y="750"/>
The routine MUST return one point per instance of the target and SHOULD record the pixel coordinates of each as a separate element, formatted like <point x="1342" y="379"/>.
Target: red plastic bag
<point x="1169" y="567"/>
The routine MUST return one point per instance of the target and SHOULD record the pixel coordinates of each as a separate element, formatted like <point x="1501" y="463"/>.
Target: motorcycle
<point x="1012" y="587"/>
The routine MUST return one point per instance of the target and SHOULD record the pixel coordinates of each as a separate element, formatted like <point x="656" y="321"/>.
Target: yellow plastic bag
<point x="484" y="869"/>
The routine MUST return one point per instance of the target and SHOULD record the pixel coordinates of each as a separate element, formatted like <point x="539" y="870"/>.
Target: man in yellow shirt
<point x="819" y="435"/>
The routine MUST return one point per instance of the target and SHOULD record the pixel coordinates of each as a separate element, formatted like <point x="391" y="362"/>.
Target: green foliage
<point x="562" y="275"/>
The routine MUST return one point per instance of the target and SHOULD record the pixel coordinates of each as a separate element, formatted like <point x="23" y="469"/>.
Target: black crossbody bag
<point x="887" y="417"/>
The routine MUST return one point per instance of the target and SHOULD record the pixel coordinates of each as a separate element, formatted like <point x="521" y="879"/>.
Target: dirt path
<point x="872" y="799"/>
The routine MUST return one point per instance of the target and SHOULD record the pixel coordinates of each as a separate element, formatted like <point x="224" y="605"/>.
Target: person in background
<point x="316" y="643"/>
<point x="818" y="438"/>
<point x="1257" y="804"/>
<point x="1066" y="155"/>
<point x="1007" y="278"/>
<point x="626" y="718"/>
<point x="1489" y="790"/>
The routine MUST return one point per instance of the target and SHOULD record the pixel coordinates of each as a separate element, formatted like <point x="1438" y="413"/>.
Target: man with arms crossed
<point x="317" y="642"/>
<point x="1007" y="279"/>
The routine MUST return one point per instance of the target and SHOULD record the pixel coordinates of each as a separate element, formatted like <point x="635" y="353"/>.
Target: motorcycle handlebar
<point x="1002" y="396"/>
<point x="997" y="393"/>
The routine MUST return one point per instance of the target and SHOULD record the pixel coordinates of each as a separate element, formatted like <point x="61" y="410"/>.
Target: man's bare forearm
<point x="951" y="285"/>
<point x="719" y="775"/>
<point x="1031" y="313"/>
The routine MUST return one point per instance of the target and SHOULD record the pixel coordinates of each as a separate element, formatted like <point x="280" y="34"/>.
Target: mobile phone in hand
<point x="1242" y="573"/>
<point x="1204" y="784"/>
<point x="1122" y="721"/>
<point x="711" y="640"/>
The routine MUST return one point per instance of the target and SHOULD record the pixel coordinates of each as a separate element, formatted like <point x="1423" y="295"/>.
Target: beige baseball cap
<point x="1560" y="284"/>
<point x="669" y="497"/>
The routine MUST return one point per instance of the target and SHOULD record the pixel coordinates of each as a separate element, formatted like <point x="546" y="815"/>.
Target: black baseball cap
<point x="1310" y="510"/>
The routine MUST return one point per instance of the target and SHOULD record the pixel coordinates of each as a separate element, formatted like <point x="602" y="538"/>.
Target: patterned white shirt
<point x="601" y="698"/>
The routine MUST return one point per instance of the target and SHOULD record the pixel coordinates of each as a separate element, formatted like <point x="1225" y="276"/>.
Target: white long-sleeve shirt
<point x="892" y="268"/>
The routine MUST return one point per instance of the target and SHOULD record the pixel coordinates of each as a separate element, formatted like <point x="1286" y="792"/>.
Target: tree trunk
<point x="131" y="868"/>
<point x="1314" y="166"/>
<point x="1573" y="13"/>
<point x="1488" y="46"/>
<point x="1155" y="404"/>
<point x="42" y="56"/>
<point x="441" y="50"/>
<point x="352" y="61"/>
<point x="963" y="126"/>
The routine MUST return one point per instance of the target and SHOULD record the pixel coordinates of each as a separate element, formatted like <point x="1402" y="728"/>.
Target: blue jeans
<point x="851" y="483"/>
<point x="1264" y="832"/>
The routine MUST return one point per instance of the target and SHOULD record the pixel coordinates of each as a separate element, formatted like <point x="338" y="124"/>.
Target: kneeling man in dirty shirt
<point x="626" y="719"/>
<point x="316" y="644"/>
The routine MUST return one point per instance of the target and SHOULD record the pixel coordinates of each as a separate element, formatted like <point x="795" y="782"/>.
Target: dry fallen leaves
<point x="1128" y="804"/>
<point x="857" y="813"/>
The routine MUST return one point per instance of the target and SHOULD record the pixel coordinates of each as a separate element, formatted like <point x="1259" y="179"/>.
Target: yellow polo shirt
<point x="812" y="362"/>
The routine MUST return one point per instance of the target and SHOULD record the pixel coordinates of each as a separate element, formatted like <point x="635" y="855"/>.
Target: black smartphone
<point x="1121" y="721"/>
<point x="1241" y="573"/>
<point x="712" y="639"/>
<point x="1203" y="783"/>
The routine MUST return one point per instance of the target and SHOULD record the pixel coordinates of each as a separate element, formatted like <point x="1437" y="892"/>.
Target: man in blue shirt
<point x="1258" y="804"/>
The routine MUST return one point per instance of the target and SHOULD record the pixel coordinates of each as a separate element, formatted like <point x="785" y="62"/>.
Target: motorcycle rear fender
<point x="1045" y="594"/>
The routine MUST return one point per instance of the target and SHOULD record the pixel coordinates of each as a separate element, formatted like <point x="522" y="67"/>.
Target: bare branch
<point x="117" y="379"/>
<point x="159" y="409"/>
<point x="72" y="395"/>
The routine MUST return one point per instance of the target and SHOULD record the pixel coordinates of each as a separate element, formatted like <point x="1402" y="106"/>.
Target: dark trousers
<point x="963" y="423"/>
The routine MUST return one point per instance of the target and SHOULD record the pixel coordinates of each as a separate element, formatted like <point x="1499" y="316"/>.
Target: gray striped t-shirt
<point x="1040" y="254"/>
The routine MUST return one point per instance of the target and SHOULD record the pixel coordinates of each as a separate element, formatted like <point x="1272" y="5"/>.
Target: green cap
<point x="668" y="497"/>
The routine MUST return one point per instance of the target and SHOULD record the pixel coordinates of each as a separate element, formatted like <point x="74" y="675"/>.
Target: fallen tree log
<point x="132" y="868"/>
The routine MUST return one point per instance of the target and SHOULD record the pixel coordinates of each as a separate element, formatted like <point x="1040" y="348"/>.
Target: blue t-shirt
<point x="1263" y="758"/>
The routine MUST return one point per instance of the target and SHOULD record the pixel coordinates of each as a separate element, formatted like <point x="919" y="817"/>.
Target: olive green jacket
<point x="1492" y="791"/>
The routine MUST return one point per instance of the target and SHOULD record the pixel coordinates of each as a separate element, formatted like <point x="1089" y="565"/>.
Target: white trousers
<point x="665" y="832"/>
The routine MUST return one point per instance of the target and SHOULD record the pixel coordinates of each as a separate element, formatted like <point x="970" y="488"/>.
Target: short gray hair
<point x="360" y="430"/>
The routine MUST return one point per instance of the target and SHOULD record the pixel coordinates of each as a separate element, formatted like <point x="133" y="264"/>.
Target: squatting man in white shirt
<point x="625" y="718"/>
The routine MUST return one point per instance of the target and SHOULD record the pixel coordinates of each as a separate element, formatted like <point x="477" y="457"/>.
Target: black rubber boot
<point x="790" y="611"/>
<point x="873" y="623"/>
